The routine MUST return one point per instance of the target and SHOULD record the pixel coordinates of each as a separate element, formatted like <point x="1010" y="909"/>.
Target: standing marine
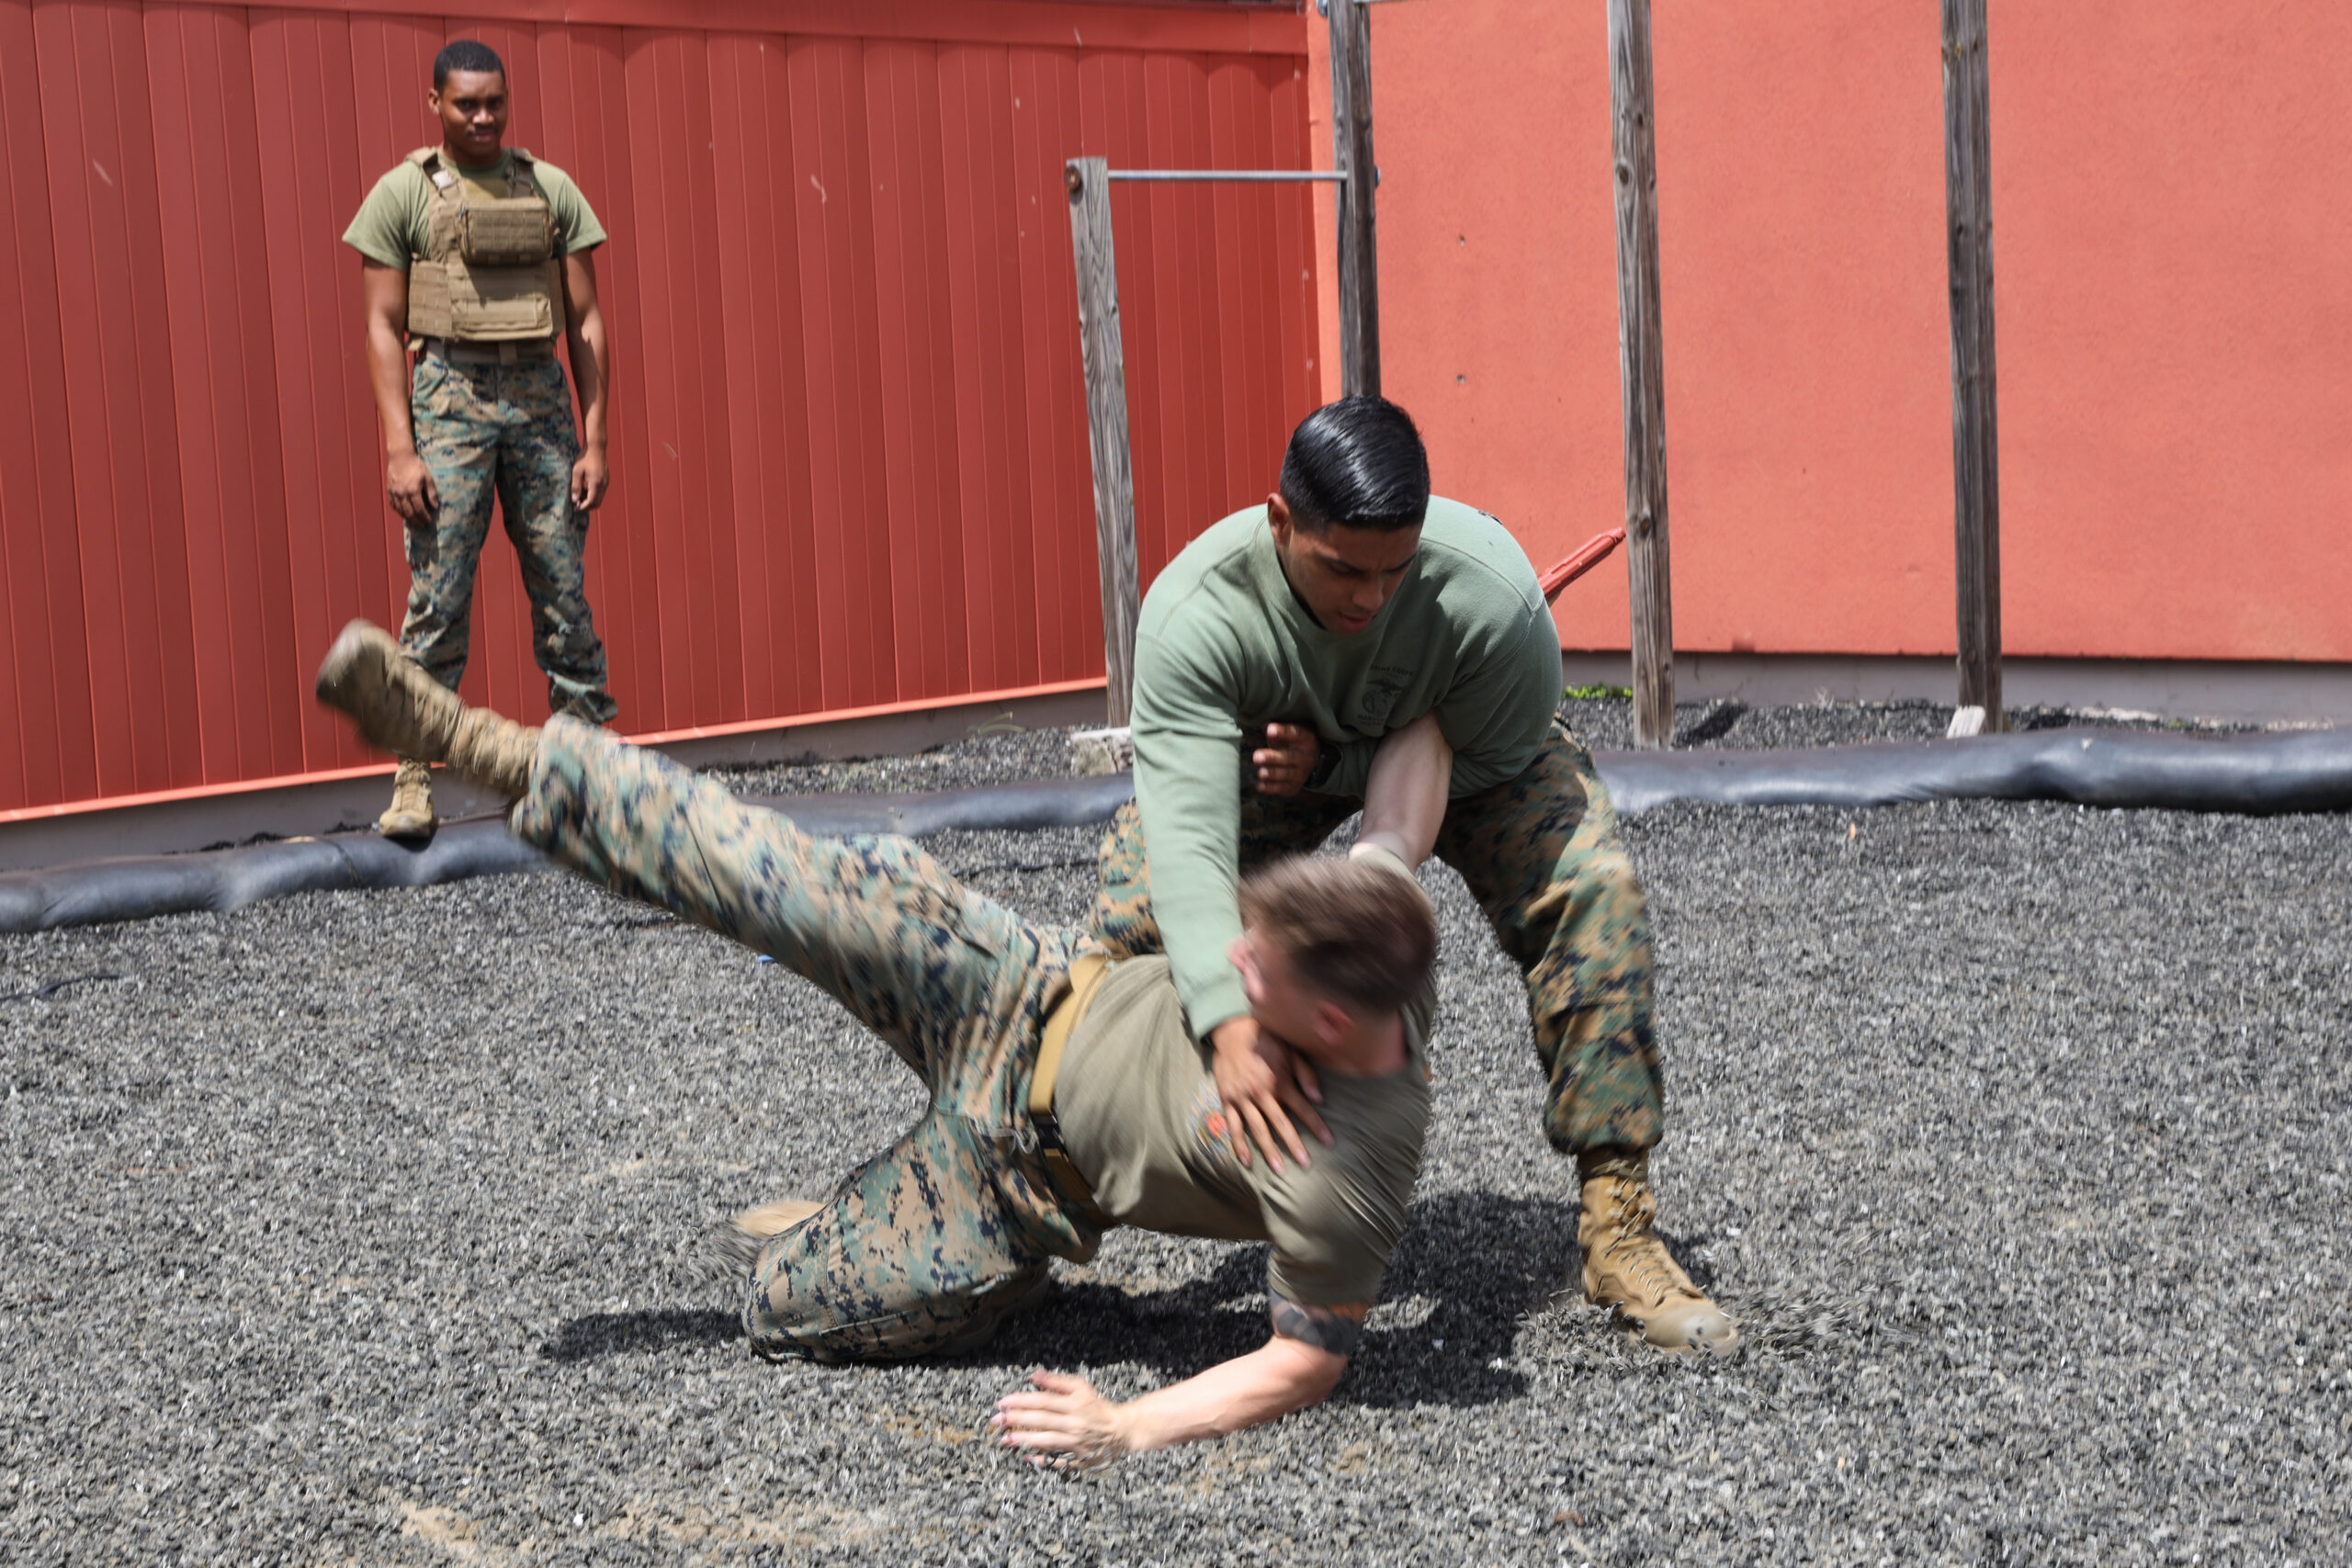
<point x="1271" y="657"/>
<point x="479" y="257"/>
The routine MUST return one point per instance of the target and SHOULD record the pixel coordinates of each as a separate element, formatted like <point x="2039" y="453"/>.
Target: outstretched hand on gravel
<point x="1064" y="1426"/>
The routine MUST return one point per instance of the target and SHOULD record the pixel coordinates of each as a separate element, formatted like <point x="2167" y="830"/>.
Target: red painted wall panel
<point x="225" y="391"/>
<point x="842" y="359"/>
<point x="849" y="453"/>
<point x="2176" y="321"/>
<point x="997" y="560"/>
<point x="53" y="754"/>
<point x="917" y="409"/>
<point x="101" y="163"/>
<point x="2174" y="313"/>
<point x="1068" y="625"/>
<point x="849" y="448"/>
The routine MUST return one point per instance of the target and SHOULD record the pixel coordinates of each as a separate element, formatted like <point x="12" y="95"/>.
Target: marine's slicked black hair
<point x="1357" y="463"/>
<point x="464" y="54"/>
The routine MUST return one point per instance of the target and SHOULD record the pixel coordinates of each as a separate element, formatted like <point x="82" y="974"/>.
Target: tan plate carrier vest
<point x="490" y="273"/>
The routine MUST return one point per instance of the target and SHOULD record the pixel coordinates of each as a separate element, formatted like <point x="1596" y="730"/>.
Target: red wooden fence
<point x="850" y="463"/>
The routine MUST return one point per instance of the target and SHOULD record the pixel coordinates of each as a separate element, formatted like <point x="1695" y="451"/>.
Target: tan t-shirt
<point x="1140" y="1112"/>
<point x="395" y="223"/>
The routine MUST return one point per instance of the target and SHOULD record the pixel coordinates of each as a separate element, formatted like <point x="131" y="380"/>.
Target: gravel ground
<point x="349" y="1228"/>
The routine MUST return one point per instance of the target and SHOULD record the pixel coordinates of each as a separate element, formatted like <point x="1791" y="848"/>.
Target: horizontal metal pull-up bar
<point x="1221" y="174"/>
<point x="1089" y="181"/>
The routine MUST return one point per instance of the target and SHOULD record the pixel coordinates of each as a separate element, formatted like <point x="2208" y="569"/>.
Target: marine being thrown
<point x="1069" y="1095"/>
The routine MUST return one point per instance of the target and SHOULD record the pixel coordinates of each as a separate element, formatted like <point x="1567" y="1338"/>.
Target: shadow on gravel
<point x="628" y="1333"/>
<point x="1471" y="1267"/>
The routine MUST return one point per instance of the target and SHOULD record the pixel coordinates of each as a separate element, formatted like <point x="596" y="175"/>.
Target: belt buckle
<point x="1053" y="1155"/>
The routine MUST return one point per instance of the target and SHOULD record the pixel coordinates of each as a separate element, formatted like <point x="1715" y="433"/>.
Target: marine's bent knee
<point x="896" y="1336"/>
<point x="1611" y="877"/>
<point x="1598" y="887"/>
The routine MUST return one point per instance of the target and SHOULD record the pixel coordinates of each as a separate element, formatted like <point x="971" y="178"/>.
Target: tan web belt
<point x="1085" y="978"/>
<point x="524" y="351"/>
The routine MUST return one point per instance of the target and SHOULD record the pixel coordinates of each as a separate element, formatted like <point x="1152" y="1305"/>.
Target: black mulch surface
<point x="351" y="1228"/>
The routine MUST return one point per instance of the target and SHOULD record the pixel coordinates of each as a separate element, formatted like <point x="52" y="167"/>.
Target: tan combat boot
<point x="726" y="1257"/>
<point x="1626" y="1267"/>
<point x="410" y="814"/>
<point x="399" y="707"/>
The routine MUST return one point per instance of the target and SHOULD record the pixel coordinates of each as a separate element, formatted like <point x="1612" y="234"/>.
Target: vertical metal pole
<point x="1106" y="421"/>
<point x="1976" y="443"/>
<point x="1351" y="155"/>
<point x="1641" y="361"/>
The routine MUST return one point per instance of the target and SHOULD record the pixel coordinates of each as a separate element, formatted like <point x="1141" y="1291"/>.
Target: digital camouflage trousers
<point x="1542" y="854"/>
<point x="502" y="432"/>
<point x="924" y="1246"/>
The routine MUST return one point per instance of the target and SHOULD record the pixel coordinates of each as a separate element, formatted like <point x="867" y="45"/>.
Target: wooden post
<point x="1641" y="362"/>
<point x="1351" y="155"/>
<point x="1106" y="422"/>
<point x="1975" y="443"/>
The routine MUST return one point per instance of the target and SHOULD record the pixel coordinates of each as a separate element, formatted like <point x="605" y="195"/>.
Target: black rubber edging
<point x="94" y="892"/>
<point x="2297" y="771"/>
<point x="2305" y="770"/>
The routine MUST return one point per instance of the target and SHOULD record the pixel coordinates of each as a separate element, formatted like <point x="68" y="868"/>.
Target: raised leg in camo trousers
<point x="922" y="1248"/>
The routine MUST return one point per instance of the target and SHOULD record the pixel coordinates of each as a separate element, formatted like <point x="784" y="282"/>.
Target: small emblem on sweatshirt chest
<point x="1383" y="685"/>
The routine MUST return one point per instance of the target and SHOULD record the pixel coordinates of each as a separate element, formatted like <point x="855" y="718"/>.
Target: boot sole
<point x="1722" y="1347"/>
<point x="351" y="644"/>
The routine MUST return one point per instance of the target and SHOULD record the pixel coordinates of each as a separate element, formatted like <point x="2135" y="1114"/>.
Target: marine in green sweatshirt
<point x="1225" y="647"/>
<point x="1272" y="656"/>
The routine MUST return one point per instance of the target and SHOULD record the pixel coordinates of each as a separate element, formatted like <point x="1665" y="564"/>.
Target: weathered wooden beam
<point x="1106" y="422"/>
<point x="1351" y="155"/>
<point x="1975" y="442"/>
<point x="1641" y="362"/>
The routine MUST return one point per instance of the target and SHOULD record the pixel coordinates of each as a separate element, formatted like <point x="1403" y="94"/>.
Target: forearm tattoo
<point x="1335" y="1329"/>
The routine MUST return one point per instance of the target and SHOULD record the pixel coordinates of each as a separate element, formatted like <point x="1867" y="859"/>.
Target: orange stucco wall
<point x="2173" y="298"/>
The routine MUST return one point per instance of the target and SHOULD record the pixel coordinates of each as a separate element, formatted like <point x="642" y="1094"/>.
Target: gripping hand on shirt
<point x="1287" y="760"/>
<point x="1264" y="1084"/>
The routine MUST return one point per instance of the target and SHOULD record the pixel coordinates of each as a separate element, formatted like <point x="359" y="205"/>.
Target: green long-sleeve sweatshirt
<point x="1223" y="647"/>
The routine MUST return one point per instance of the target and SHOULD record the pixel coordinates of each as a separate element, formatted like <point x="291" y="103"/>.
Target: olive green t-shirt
<point x="1222" y="645"/>
<point x="1140" y="1116"/>
<point x="395" y="223"/>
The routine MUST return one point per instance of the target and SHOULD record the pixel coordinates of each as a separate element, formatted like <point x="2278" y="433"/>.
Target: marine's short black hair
<point x="1357" y="463"/>
<point x="464" y="54"/>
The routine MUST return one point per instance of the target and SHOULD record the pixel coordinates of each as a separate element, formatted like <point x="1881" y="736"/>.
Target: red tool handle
<point x="1589" y="555"/>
